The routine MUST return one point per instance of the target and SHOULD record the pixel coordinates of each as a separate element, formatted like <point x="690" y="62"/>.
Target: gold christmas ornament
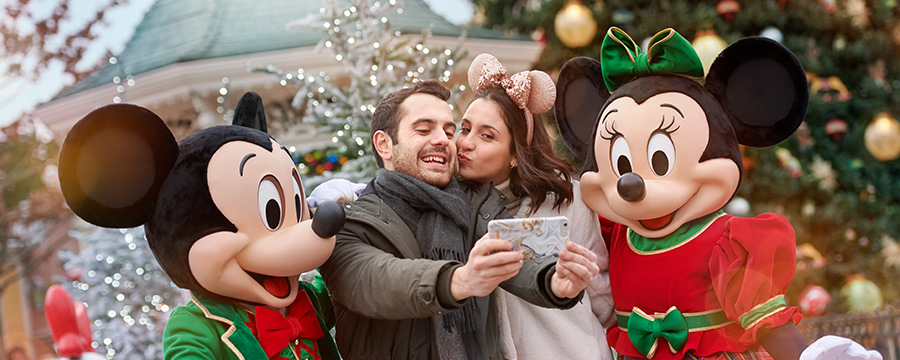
<point x="575" y="25"/>
<point x="708" y="45"/>
<point x="882" y="137"/>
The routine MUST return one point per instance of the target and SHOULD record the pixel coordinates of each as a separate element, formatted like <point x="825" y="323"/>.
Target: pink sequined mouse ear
<point x="485" y="72"/>
<point x="542" y="94"/>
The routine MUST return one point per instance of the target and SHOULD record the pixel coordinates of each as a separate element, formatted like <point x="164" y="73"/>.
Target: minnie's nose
<point x="631" y="187"/>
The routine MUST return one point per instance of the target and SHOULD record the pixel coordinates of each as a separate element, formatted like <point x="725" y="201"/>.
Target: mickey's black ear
<point x="112" y="164"/>
<point x="580" y="95"/>
<point x="762" y="87"/>
<point x="250" y="113"/>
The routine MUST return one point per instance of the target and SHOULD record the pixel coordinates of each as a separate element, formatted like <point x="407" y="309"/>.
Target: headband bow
<point x="668" y="53"/>
<point x="533" y="91"/>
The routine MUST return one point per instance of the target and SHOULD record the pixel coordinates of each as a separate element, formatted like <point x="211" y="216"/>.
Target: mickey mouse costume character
<point x="225" y="216"/>
<point x="661" y="160"/>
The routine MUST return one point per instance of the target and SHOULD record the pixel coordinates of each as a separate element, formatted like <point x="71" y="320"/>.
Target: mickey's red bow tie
<point x="275" y="331"/>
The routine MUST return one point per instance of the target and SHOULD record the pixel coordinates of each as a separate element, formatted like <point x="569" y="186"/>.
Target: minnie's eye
<point x="620" y="155"/>
<point x="298" y="196"/>
<point x="270" y="200"/>
<point x="662" y="154"/>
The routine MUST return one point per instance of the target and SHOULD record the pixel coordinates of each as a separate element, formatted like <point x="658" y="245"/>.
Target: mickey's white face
<point x="649" y="176"/>
<point x="260" y="192"/>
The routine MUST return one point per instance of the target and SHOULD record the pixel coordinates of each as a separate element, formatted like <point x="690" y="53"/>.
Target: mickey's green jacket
<point x="208" y="329"/>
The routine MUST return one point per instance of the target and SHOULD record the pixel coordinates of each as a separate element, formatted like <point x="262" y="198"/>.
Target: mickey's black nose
<point x="329" y="219"/>
<point x="631" y="187"/>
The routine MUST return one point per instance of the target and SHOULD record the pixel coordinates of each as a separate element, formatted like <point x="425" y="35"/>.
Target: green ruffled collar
<point x="684" y="234"/>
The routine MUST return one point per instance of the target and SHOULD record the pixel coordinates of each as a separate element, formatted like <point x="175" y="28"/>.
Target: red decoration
<point x="836" y="128"/>
<point x="813" y="301"/>
<point x="727" y="9"/>
<point x="64" y="326"/>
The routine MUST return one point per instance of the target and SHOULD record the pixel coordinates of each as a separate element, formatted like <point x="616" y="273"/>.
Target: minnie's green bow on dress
<point x="644" y="330"/>
<point x="668" y="53"/>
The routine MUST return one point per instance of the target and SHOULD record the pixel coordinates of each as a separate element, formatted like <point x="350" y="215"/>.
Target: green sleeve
<point x="323" y="300"/>
<point x="189" y="337"/>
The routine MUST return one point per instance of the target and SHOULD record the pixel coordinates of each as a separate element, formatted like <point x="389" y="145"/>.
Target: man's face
<point x="425" y="147"/>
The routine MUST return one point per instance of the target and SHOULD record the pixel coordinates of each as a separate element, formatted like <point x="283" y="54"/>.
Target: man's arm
<point x="380" y="285"/>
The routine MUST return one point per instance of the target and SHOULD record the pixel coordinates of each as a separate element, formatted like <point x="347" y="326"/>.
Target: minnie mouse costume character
<point x="225" y="216"/>
<point x="661" y="160"/>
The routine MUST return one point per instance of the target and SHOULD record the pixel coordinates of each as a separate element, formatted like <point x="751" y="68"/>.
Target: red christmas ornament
<point x="728" y="8"/>
<point x="813" y="300"/>
<point x="836" y="128"/>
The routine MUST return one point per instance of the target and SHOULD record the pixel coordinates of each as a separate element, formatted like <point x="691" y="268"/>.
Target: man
<point x="407" y="279"/>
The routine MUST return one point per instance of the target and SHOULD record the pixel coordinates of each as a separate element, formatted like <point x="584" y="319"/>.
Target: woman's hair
<point x="539" y="171"/>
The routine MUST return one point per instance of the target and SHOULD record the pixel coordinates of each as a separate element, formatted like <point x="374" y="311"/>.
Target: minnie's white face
<point x="260" y="192"/>
<point x="649" y="176"/>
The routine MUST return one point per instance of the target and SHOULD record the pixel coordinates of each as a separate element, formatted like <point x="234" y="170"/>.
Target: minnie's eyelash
<point x="610" y="128"/>
<point x="667" y="129"/>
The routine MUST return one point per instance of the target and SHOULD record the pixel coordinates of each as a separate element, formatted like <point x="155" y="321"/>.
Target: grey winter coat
<point x="385" y="292"/>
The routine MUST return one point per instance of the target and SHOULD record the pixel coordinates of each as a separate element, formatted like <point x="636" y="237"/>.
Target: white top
<point x="532" y="332"/>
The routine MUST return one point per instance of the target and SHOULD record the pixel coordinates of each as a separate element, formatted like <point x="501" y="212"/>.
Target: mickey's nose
<point x="631" y="187"/>
<point x="329" y="219"/>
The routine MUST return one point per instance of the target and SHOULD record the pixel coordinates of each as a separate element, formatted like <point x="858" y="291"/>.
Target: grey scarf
<point x="439" y="219"/>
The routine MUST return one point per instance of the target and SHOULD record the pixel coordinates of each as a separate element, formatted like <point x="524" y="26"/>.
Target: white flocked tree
<point x="377" y="60"/>
<point x="127" y="294"/>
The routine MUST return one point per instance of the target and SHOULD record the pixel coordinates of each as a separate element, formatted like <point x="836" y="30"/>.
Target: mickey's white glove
<point x="832" y="347"/>
<point x="334" y="190"/>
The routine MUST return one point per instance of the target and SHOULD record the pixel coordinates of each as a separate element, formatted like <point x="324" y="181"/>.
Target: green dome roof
<point x="175" y="31"/>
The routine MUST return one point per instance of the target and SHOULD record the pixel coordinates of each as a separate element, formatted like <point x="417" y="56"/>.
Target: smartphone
<point x="542" y="236"/>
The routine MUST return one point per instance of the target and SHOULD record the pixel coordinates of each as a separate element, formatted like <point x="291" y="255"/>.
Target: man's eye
<point x="464" y="130"/>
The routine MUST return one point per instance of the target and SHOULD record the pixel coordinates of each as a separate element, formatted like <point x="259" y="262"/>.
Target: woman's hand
<point x="575" y="269"/>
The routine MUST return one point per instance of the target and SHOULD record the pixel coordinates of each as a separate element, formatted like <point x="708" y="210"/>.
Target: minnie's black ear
<point x="250" y="113"/>
<point x="762" y="87"/>
<point x="580" y="95"/>
<point x="112" y="164"/>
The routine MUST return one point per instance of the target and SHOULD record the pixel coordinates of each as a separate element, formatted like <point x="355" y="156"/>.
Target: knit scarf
<point x="439" y="219"/>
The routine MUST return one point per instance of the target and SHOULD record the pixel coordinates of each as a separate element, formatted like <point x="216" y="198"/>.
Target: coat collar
<point x="238" y="337"/>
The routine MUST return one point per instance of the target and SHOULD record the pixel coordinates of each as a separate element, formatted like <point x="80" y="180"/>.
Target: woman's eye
<point x="620" y="156"/>
<point x="464" y="130"/>
<point x="662" y="154"/>
<point x="270" y="203"/>
<point x="488" y="136"/>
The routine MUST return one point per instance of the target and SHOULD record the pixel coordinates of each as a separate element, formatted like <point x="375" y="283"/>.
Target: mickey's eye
<point x="298" y="195"/>
<point x="620" y="155"/>
<point x="662" y="154"/>
<point x="270" y="200"/>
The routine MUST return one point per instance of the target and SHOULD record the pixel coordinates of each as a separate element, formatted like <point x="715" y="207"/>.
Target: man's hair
<point x="387" y="114"/>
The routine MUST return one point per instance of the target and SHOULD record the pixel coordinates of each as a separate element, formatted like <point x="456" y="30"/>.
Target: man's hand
<point x="490" y="263"/>
<point x="575" y="269"/>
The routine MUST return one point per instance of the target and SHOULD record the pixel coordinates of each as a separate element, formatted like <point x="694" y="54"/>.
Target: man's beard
<point x="407" y="162"/>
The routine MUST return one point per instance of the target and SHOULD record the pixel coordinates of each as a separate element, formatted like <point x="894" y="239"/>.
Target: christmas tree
<point x="127" y="294"/>
<point x="378" y="61"/>
<point x="835" y="178"/>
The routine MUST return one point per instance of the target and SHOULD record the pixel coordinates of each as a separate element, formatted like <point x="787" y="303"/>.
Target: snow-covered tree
<point x="377" y="59"/>
<point x="127" y="294"/>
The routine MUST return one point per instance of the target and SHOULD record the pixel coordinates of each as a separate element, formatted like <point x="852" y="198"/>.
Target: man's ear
<point x="383" y="144"/>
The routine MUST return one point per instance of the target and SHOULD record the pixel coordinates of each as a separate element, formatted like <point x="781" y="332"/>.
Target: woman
<point x="500" y="142"/>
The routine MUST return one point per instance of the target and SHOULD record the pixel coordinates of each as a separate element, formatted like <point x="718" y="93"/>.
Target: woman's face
<point x="484" y="144"/>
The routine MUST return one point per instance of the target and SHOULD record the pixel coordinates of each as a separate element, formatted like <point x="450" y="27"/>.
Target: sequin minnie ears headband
<point x="533" y="91"/>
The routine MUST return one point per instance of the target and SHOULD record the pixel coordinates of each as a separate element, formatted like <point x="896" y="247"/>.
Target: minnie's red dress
<point x="726" y="276"/>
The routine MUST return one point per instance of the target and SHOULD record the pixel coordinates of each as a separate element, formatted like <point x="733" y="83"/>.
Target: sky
<point x="21" y="96"/>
